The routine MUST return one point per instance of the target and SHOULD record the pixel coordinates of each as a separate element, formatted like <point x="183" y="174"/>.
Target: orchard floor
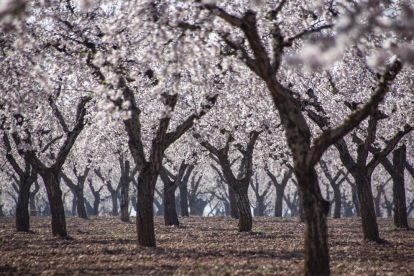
<point x="200" y="246"/>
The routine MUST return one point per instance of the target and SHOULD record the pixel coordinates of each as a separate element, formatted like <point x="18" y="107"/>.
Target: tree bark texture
<point x="398" y="188"/>
<point x="243" y="205"/>
<point x="366" y="205"/>
<point x="279" y="202"/>
<point x="22" y="208"/>
<point x="145" y="210"/>
<point x="54" y="193"/>
<point x="338" y="202"/>
<point x="170" y="212"/>
<point x="315" y="212"/>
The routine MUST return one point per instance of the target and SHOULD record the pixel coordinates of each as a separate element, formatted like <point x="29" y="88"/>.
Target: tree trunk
<point x="170" y="212"/>
<point x="184" y="199"/>
<point x="315" y="211"/>
<point x="261" y="206"/>
<point x="234" y="213"/>
<point x="338" y="202"/>
<point x="125" y="200"/>
<point x="145" y="211"/>
<point x="97" y="200"/>
<point x="377" y="205"/>
<point x="54" y="194"/>
<point x="32" y="200"/>
<point x="243" y="205"/>
<point x="22" y="208"/>
<point x="366" y="206"/>
<point x="114" y="197"/>
<point x="279" y="201"/>
<point x="74" y="205"/>
<point x="81" y="203"/>
<point x="398" y="188"/>
<point x="355" y="201"/>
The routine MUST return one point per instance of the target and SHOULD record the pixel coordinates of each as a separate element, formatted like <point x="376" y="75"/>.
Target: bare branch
<point x="290" y="41"/>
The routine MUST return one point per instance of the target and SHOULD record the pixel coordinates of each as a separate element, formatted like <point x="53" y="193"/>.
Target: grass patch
<point x="258" y="231"/>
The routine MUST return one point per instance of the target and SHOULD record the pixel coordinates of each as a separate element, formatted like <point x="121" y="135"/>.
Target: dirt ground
<point x="200" y="246"/>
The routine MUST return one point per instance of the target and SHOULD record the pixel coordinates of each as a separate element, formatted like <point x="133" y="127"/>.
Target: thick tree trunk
<point x="338" y="202"/>
<point x="54" y="194"/>
<point x="366" y="206"/>
<point x="22" y="208"/>
<point x="170" y="212"/>
<point x="315" y="210"/>
<point x="234" y="213"/>
<point x="125" y="201"/>
<point x="279" y="202"/>
<point x="243" y="205"/>
<point x="398" y="188"/>
<point x="81" y="203"/>
<point x="145" y="211"/>
<point x="114" y="197"/>
<point x="184" y="199"/>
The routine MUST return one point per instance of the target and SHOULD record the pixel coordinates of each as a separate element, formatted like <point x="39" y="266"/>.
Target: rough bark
<point x="366" y="205"/>
<point x="170" y="185"/>
<point x="400" y="208"/>
<point x="22" y="208"/>
<point x="145" y="213"/>
<point x="51" y="179"/>
<point x="243" y="205"/>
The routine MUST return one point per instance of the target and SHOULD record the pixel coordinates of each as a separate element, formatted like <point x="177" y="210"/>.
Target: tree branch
<point x="332" y="135"/>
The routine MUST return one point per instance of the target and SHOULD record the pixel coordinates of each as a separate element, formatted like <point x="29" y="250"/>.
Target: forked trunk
<point x="234" y="213"/>
<point x="22" y="208"/>
<point x="366" y="206"/>
<point x="279" y="202"/>
<point x="338" y="202"/>
<point x="315" y="211"/>
<point x="170" y="212"/>
<point x="243" y="205"/>
<point x="398" y="188"/>
<point x="54" y="194"/>
<point x="124" y="201"/>
<point x="145" y="211"/>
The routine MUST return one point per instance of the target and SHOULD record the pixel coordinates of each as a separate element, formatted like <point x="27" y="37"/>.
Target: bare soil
<point x="200" y="246"/>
